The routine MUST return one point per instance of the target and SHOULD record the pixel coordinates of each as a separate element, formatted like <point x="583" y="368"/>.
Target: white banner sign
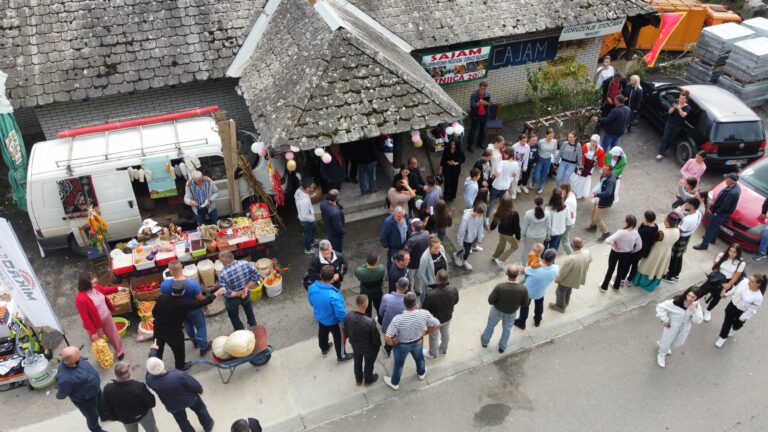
<point x="17" y="276"/>
<point x="584" y="31"/>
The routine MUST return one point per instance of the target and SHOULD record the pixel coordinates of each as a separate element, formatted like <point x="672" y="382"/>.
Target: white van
<point x="123" y="203"/>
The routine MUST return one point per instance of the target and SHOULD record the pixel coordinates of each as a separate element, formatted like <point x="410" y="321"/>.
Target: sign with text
<point x="585" y="31"/>
<point x="457" y="66"/>
<point x="520" y="53"/>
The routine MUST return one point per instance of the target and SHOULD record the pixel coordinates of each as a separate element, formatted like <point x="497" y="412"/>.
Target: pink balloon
<point x="289" y="155"/>
<point x="263" y="152"/>
<point x="415" y="138"/>
<point x="326" y="158"/>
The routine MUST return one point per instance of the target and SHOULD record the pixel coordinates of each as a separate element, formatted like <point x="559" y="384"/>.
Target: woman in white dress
<point x="592" y="155"/>
<point x="677" y="316"/>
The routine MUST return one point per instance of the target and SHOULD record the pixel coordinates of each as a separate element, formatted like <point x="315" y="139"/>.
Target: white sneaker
<point x="720" y="342"/>
<point x="477" y="248"/>
<point x="428" y="355"/>
<point x="467" y="265"/>
<point x="388" y="381"/>
<point x="661" y="360"/>
<point x="731" y="333"/>
<point x="659" y="157"/>
<point x="499" y="263"/>
<point x="707" y="315"/>
<point x="525" y="189"/>
<point x="457" y="260"/>
<point x="421" y="377"/>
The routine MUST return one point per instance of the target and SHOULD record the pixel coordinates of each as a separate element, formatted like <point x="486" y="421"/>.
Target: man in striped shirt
<point x="406" y="332"/>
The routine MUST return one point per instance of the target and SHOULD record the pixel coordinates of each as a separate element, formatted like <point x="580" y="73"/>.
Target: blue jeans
<point x="610" y="141"/>
<point x="495" y="193"/>
<point x="368" y="177"/>
<point x="199" y="408"/>
<point x="541" y="172"/>
<point x="196" y="329"/>
<point x="554" y="242"/>
<point x="764" y="240"/>
<point x="233" y="310"/>
<point x="714" y="227"/>
<point x="507" y="321"/>
<point x="309" y="234"/>
<point x="441" y="234"/>
<point x="564" y="171"/>
<point x="203" y="214"/>
<point x="670" y="133"/>
<point x="416" y="349"/>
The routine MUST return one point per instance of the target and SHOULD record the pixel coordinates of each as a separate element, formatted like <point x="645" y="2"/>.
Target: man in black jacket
<point x="333" y="219"/>
<point x="721" y="209"/>
<point x="365" y="339"/>
<point x="129" y="401"/>
<point x="605" y="196"/>
<point x="170" y="312"/>
<point x="327" y="256"/>
<point x="614" y="123"/>
<point x="440" y="300"/>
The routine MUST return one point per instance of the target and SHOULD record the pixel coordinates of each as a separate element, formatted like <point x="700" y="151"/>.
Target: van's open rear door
<point x="117" y="204"/>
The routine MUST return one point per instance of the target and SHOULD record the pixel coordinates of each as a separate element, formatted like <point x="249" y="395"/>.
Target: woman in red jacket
<point x="96" y="311"/>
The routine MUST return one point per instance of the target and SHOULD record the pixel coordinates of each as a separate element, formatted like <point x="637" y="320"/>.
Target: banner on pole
<point x="17" y="276"/>
<point x="669" y="22"/>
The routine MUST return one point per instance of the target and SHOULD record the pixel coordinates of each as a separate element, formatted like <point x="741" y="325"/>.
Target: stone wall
<point x="507" y="85"/>
<point x="55" y="118"/>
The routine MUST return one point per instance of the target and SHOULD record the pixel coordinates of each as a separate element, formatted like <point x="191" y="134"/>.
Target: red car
<point x="745" y="225"/>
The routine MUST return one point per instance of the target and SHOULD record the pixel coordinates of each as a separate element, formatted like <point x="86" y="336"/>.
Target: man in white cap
<point x="200" y="194"/>
<point x="177" y="391"/>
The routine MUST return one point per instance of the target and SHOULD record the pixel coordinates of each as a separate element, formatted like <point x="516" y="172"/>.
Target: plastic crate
<point x="142" y="254"/>
<point x="163" y="258"/>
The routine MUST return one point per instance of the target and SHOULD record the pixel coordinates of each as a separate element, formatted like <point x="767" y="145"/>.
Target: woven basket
<point x="147" y="295"/>
<point x="121" y="302"/>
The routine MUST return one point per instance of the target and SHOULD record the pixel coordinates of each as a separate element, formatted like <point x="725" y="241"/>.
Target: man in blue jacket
<point x="722" y="208"/>
<point x="79" y="381"/>
<point x="614" y="123"/>
<point x="394" y="233"/>
<point x="178" y="391"/>
<point x="329" y="310"/>
<point x="333" y="219"/>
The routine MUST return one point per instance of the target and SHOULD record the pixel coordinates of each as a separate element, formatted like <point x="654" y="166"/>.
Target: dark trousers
<point x="308" y="229"/>
<point x="176" y="342"/>
<point x="714" y="290"/>
<point x="732" y="314"/>
<point x="538" y="311"/>
<point x="668" y="137"/>
<point x="713" y="228"/>
<point x="675" y="266"/>
<point x="90" y="410"/>
<point x="199" y="408"/>
<point x="322" y="338"/>
<point x="466" y="251"/>
<point x="374" y="301"/>
<point x="477" y="133"/>
<point x="620" y="260"/>
<point x="451" y="182"/>
<point x="205" y="214"/>
<point x="634" y="260"/>
<point x="364" y="363"/>
<point x="525" y="176"/>
<point x="337" y="243"/>
<point x="233" y="310"/>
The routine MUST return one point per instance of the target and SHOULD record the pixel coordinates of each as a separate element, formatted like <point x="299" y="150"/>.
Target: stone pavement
<point x="299" y="389"/>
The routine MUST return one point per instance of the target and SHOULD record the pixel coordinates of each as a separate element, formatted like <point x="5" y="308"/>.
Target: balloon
<point x="458" y="130"/>
<point x="449" y="130"/>
<point x="262" y="152"/>
<point x="415" y="138"/>
<point x="257" y="146"/>
<point x="291" y="165"/>
<point x="326" y="158"/>
<point x="289" y="155"/>
<point x="319" y="152"/>
<point x="418" y="144"/>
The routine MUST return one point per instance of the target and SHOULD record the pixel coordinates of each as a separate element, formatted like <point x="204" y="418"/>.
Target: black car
<point x="719" y="124"/>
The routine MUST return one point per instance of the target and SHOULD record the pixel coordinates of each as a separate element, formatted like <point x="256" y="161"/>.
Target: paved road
<point x="601" y="378"/>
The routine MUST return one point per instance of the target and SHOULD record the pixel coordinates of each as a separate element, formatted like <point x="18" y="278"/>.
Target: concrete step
<point x="358" y="207"/>
<point x="374" y="212"/>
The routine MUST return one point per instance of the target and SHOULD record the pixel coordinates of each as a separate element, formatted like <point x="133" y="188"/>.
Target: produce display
<point x="148" y="325"/>
<point x="218" y="348"/>
<point x="102" y="353"/>
<point x="240" y="343"/>
<point x="97" y="230"/>
<point x="240" y="222"/>
<point x="121" y="302"/>
<point x="209" y="232"/>
<point x="264" y="228"/>
<point x="145" y="309"/>
<point x="273" y="278"/>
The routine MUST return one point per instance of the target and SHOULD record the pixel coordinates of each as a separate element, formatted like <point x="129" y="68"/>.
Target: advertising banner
<point x="162" y="184"/>
<point x="585" y="31"/>
<point x="523" y="52"/>
<point x="457" y="66"/>
<point x="18" y="278"/>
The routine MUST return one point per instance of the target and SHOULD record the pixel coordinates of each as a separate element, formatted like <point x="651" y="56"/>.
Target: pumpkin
<point x="240" y="343"/>
<point x="218" y="348"/>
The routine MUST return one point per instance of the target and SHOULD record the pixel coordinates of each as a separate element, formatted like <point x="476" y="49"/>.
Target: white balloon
<point x="319" y="152"/>
<point x="449" y="130"/>
<point x="458" y="130"/>
<point x="257" y="146"/>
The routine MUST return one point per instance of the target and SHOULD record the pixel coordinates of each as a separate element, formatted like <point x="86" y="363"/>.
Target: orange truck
<point x="698" y="15"/>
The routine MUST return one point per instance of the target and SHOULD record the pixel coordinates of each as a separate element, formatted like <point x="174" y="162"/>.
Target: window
<point x="213" y="167"/>
<point x="756" y="176"/>
<point x="738" y="131"/>
<point x="669" y="97"/>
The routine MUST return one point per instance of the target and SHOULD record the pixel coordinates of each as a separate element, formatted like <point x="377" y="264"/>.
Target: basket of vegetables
<point x="146" y="288"/>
